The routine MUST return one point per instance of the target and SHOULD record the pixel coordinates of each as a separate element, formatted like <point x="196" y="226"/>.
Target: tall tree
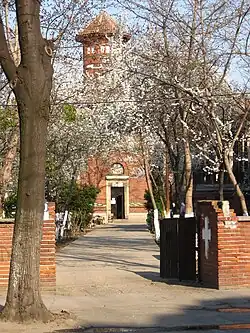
<point x="31" y="82"/>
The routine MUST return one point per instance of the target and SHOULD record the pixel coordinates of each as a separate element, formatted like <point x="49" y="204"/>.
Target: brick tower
<point x="97" y="39"/>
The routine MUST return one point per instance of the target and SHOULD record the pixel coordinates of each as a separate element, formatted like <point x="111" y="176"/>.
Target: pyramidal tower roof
<point x="103" y="24"/>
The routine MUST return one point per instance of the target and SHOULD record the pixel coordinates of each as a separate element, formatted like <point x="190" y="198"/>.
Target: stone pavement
<point x="110" y="278"/>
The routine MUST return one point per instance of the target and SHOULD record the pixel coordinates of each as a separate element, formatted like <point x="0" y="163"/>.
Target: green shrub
<point x="148" y="204"/>
<point x="150" y="221"/>
<point x="79" y="201"/>
<point x="9" y="206"/>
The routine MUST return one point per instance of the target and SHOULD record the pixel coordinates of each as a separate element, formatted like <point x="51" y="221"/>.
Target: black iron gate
<point x="178" y="248"/>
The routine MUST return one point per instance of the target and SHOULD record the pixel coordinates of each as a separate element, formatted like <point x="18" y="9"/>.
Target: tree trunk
<point x="161" y="198"/>
<point x="235" y="184"/>
<point x="165" y="215"/>
<point x="188" y="181"/>
<point x="150" y="189"/>
<point x="167" y="186"/>
<point x="221" y="183"/>
<point x="31" y="83"/>
<point x="23" y="299"/>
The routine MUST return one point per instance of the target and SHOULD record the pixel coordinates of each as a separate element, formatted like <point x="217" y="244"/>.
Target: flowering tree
<point x="184" y="54"/>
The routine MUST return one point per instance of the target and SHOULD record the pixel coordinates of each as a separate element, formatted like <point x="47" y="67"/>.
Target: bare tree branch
<point x="6" y="60"/>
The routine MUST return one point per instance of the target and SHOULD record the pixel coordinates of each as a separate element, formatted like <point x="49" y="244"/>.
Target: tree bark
<point x="188" y="181"/>
<point x="151" y="193"/>
<point x="31" y="83"/>
<point x="221" y="184"/>
<point x="161" y="198"/>
<point x="235" y="184"/>
<point x="150" y="189"/>
<point x="23" y="299"/>
<point x="167" y="185"/>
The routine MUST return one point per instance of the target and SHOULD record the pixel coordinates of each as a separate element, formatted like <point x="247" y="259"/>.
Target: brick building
<point x="120" y="177"/>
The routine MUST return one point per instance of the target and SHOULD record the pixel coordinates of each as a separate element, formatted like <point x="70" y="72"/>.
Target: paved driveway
<point x="110" y="278"/>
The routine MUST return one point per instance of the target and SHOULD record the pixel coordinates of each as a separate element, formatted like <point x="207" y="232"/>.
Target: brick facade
<point x="137" y="187"/>
<point x="227" y="264"/>
<point x="47" y="260"/>
<point x="97" y="171"/>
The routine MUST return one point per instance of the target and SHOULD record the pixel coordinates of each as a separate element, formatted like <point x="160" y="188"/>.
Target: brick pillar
<point x="48" y="251"/>
<point x="226" y="262"/>
<point x="51" y="209"/>
<point x="6" y="232"/>
<point x="47" y="261"/>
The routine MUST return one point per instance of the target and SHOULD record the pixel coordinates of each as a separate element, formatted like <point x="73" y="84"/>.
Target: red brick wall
<point x="230" y="268"/>
<point x="95" y="174"/>
<point x="234" y="255"/>
<point x="137" y="187"/>
<point x="101" y="198"/>
<point x="47" y="261"/>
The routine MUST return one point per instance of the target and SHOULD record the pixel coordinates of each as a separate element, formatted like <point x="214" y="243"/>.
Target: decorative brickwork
<point x="227" y="263"/>
<point x="47" y="261"/>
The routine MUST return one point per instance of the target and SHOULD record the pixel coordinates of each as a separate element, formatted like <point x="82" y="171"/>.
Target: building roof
<point x="103" y="24"/>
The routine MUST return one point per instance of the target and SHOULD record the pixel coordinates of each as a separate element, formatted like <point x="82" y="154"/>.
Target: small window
<point x="90" y="49"/>
<point x="105" y="49"/>
<point x="117" y="169"/>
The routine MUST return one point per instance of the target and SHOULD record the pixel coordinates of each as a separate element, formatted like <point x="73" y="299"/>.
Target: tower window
<point x="90" y="50"/>
<point x="105" y="49"/>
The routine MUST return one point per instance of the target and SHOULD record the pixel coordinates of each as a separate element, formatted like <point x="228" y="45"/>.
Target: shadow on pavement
<point x="130" y="227"/>
<point x="106" y="249"/>
<point x="112" y="260"/>
<point x="205" y="316"/>
<point x="95" y="242"/>
<point x="155" y="277"/>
